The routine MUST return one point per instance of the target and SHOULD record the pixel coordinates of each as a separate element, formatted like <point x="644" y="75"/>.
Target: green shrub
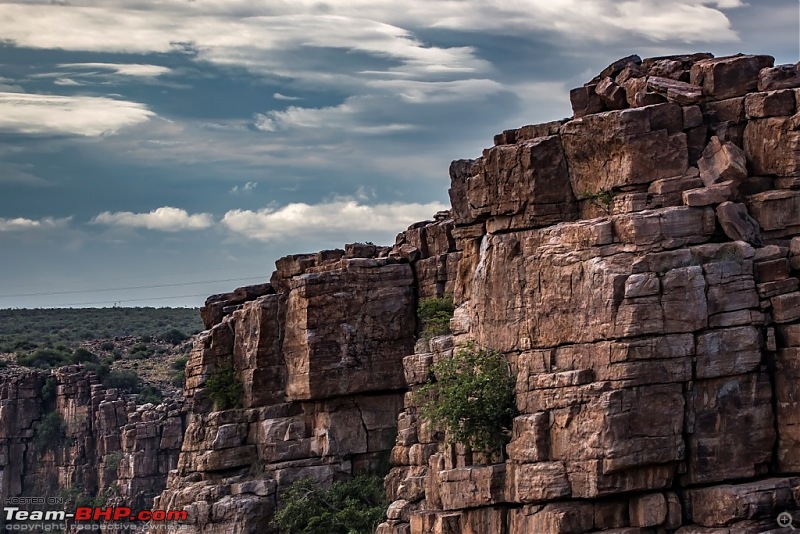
<point x="49" y="390"/>
<point x="45" y="358"/>
<point x="127" y="380"/>
<point x="434" y="315"/>
<point x="472" y="398"/>
<point x="353" y="507"/>
<point x="141" y="351"/>
<point x="149" y="394"/>
<point x="173" y="336"/>
<point x="107" y="345"/>
<point x="82" y="355"/>
<point x="224" y="389"/>
<point x="112" y="461"/>
<point x="50" y="432"/>
<point x="178" y="379"/>
<point x="180" y="363"/>
<point x="101" y="369"/>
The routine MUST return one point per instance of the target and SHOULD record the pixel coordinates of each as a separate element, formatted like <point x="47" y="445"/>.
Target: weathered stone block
<point x="648" y="510"/>
<point x="556" y="518"/>
<point x="770" y="104"/>
<point x="615" y="157"/>
<point x="612" y="94"/>
<point x="676" y="91"/>
<point x="737" y="223"/>
<point x="787" y="397"/>
<point x="730" y="351"/>
<point x="772" y="146"/>
<point x="530" y="438"/>
<point x="707" y="196"/>
<point x="522" y="186"/>
<point x="786" y="308"/>
<point x="536" y="482"/>
<point x="347" y="330"/>
<point x="718" y="506"/>
<point x="585" y="101"/>
<point x="722" y="162"/>
<point x="778" y="77"/>
<point x="730" y="427"/>
<point x="469" y="487"/>
<point x="726" y="77"/>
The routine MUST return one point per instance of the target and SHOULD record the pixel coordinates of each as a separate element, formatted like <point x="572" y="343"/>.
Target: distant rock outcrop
<point x="106" y="450"/>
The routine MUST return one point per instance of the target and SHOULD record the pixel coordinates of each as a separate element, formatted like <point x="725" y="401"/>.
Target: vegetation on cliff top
<point x="29" y="329"/>
<point x="472" y="398"/>
<point x="133" y="349"/>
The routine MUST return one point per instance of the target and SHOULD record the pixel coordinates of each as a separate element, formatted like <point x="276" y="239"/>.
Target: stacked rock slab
<point x="319" y="352"/>
<point x="637" y="265"/>
<point x="109" y="448"/>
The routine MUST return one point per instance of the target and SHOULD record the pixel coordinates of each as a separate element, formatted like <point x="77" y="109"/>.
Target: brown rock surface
<point x="722" y="162"/>
<point x="727" y="77"/>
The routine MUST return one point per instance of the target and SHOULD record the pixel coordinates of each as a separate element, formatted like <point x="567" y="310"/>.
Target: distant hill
<point x="26" y="329"/>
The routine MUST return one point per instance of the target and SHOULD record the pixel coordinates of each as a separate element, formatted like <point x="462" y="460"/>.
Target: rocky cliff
<point x="637" y="267"/>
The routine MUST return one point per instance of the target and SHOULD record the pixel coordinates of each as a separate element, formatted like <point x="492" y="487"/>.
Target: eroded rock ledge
<point x="636" y="265"/>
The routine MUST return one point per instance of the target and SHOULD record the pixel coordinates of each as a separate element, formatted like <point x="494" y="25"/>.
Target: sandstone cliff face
<point x="319" y="352"/>
<point x="109" y="447"/>
<point x="636" y="265"/>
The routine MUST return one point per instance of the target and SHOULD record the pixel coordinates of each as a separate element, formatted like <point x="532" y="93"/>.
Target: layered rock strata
<point x="637" y="266"/>
<point x="319" y="352"/>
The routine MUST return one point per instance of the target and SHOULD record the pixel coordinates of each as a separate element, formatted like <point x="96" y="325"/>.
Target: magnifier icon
<point x="785" y="520"/>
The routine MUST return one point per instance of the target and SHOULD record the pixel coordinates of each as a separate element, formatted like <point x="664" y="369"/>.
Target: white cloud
<point x="267" y="37"/>
<point x="345" y="216"/>
<point x="20" y="224"/>
<point x="124" y="69"/>
<point x="67" y="82"/>
<point x="166" y="219"/>
<point x="79" y="115"/>
<point x="279" y="96"/>
<point x="349" y="116"/>
<point x="246" y="188"/>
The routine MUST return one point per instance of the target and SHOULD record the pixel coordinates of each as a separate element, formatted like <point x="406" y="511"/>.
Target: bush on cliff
<point x="50" y="432"/>
<point x="125" y="380"/>
<point x="224" y="389"/>
<point x="472" y="398"/>
<point x="149" y="394"/>
<point x="353" y="507"/>
<point x="435" y="314"/>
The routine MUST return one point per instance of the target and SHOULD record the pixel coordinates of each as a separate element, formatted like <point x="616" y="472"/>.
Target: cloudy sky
<point x="153" y="152"/>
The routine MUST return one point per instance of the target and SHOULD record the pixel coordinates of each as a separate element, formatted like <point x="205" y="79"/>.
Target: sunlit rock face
<point x="637" y="266"/>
